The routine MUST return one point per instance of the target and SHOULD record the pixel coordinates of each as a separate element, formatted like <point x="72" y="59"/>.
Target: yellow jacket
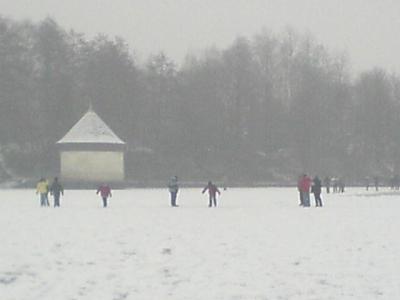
<point x="42" y="187"/>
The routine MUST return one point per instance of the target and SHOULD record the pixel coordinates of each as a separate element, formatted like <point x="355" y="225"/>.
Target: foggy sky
<point x="367" y="29"/>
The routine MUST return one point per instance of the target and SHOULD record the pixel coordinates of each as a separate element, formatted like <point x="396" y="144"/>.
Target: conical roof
<point x="90" y="129"/>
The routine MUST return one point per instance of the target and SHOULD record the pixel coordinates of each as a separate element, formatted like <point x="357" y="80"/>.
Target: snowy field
<point x="258" y="244"/>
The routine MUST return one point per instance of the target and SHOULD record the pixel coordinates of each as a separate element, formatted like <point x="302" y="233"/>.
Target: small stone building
<point x="91" y="152"/>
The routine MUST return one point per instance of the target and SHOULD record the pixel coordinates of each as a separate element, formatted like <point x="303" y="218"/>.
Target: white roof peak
<point x="90" y="129"/>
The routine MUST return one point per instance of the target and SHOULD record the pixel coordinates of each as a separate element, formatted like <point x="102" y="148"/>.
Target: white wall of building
<point x="92" y="166"/>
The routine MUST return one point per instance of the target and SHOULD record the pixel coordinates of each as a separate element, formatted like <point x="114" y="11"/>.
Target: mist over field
<point x="264" y="109"/>
<point x="120" y="112"/>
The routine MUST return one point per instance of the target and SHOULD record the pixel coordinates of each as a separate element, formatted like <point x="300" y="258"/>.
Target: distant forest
<point x="263" y="110"/>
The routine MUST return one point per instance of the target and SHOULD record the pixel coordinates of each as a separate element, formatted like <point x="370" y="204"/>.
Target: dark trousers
<point x="306" y="199"/>
<point x="56" y="200"/>
<point x="104" y="201"/>
<point x="318" y="200"/>
<point x="301" y="198"/>
<point x="213" y="199"/>
<point x="327" y="189"/>
<point x="44" y="200"/>
<point x="173" y="198"/>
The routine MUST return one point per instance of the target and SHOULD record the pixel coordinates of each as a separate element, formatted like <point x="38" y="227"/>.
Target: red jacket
<point x="104" y="191"/>
<point x="305" y="184"/>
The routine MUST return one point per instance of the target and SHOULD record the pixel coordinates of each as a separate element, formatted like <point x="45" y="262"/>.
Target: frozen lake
<point x="258" y="244"/>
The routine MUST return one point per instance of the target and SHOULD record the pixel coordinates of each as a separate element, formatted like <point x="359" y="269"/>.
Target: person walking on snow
<point x="56" y="189"/>
<point x="105" y="192"/>
<point x="316" y="190"/>
<point x="173" y="190"/>
<point x="305" y="184"/>
<point x="212" y="193"/>
<point x="42" y="188"/>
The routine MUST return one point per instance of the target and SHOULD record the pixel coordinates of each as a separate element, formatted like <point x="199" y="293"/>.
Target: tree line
<point x="264" y="109"/>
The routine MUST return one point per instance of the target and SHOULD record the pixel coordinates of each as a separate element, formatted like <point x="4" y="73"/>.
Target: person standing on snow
<point x="376" y="182"/>
<point x="341" y="184"/>
<point x="367" y="183"/>
<point x="305" y="184"/>
<point x="173" y="190"/>
<point x="105" y="192"/>
<point x="316" y="190"/>
<point x="42" y="188"/>
<point x="335" y="184"/>
<point x="56" y="189"/>
<point x="300" y="191"/>
<point x="394" y="182"/>
<point x="327" y="182"/>
<point x="212" y="192"/>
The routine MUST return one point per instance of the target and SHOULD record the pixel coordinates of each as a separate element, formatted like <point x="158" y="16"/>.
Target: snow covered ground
<point x="257" y="245"/>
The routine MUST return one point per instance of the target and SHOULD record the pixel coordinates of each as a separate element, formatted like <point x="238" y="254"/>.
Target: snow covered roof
<point x="91" y="129"/>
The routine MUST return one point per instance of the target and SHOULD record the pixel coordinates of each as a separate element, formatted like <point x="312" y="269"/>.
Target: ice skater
<point x="316" y="190"/>
<point x="212" y="193"/>
<point x="327" y="182"/>
<point x="367" y="183"/>
<point x="341" y="185"/>
<point x="394" y="182"/>
<point x="304" y="185"/>
<point x="105" y="193"/>
<point x="56" y="189"/>
<point x="335" y="184"/>
<point x="376" y="183"/>
<point x="42" y="188"/>
<point x="300" y="191"/>
<point x="173" y="190"/>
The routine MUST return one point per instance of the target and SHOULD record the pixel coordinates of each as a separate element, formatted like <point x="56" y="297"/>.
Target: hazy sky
<point x="369" y="30"/>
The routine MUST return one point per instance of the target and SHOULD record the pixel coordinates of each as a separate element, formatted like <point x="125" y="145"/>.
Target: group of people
<point x="44" y="188"/>
<point x="305" y="185"/>
<point x="210" y="187"/>
<point x="395" y="182"/>
<point x="337" y="184"/>
<point x="375" y="181"/>
<point x="55" y="189"/>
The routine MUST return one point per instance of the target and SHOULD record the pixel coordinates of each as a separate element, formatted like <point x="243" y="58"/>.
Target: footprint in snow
<point x="8" y="278"/>
<point x="166" y="251"/>
<point x="322" y="282"/>
<point x="129" y="253"/>
<point x="166" y="272"/>
<point x="121" y="296"/>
